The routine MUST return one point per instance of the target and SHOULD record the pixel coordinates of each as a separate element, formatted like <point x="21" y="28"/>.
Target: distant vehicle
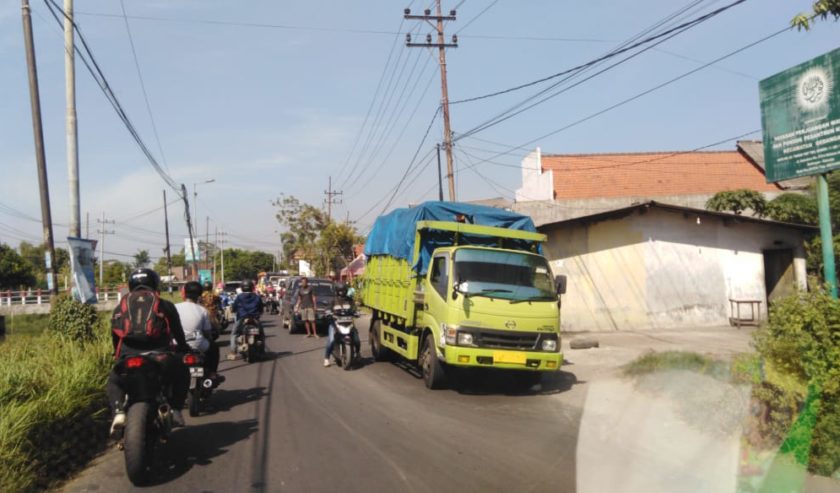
<point x="325" y="295"/>
<point x="231" y="287"/>
<point x="266" y="278"/>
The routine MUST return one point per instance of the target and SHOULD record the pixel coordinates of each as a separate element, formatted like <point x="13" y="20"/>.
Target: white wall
<point x="663" y="270"/>
<point x="536" y="184"/>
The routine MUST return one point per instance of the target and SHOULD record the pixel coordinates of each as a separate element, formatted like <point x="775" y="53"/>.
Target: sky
<point x="275" y="97"/>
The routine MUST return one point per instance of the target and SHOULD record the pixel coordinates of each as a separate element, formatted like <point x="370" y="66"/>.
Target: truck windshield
<point x="505" y="275"/>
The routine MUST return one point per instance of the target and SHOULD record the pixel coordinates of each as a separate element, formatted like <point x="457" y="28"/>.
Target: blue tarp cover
<point x="393" y="234"/>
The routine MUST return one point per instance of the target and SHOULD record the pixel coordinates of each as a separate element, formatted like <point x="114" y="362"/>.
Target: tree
<point x="303" y="224"/>
<point x="335" y="247"/>
<point x="35" y="256"/>
<point x="116" y="272"/>
<point x="178" y="260"/>
<point x="738" y="201"/>
<point x="822" y="9"/>
<point x="15" y="271"/>
<point x="793" y="208"/>
<point x="141" y="259"/>
<point x="242" y="264"/>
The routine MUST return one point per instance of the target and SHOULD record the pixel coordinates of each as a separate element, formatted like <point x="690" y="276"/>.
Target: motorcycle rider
<point x="144" y="296"/>
<point x="247" y="304"/>
<point x="342" y="298"/>
<point x="212" y="303"/>
<point x="198" y="329"/>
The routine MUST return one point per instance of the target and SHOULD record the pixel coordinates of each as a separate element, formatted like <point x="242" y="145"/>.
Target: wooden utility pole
<point x="168" y="248"/>
<point x="71" y="128"/>
<point x="40" y="158"/>
<point x="441" y="45"/>
<point x="440" y="179"/>
<point x="331" y="195"/>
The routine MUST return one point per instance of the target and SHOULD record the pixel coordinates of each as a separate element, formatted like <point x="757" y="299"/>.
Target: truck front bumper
<point x="500" y="358"/>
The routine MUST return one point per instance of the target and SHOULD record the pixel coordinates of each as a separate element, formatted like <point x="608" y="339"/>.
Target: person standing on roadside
<point x="305" y="305"/>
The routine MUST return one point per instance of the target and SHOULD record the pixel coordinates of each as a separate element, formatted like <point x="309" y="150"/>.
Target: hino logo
<point x="510" y="324"/>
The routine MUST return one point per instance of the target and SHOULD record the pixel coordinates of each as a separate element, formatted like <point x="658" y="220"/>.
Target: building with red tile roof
<point x="562" y="186"/>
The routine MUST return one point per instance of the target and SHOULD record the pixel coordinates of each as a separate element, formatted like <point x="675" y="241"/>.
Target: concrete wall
<point x="663" y="270"/>
<point x="536" y="185"/>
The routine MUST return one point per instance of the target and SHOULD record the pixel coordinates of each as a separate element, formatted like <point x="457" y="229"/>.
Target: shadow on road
<point x="199" y="445"/>
<point x="476" y="382"/>
<point x="225" y="400"/>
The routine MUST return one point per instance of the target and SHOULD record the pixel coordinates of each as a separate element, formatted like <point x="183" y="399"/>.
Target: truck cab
<point x="493" y="307"/>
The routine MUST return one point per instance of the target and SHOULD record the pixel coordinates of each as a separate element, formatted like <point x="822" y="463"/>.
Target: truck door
<point x="439" y="273"/>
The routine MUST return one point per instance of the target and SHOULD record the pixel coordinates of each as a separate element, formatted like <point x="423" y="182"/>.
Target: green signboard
<point x="800" y="115"/>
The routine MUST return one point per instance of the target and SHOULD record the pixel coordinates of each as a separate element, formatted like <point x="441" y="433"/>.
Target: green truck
<point x="459" y="285"/>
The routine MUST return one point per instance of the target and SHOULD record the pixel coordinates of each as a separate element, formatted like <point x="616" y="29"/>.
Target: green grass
<point x="743" y="368"/>
<point x="52" y="406"/>
<point x="26" y="325"/>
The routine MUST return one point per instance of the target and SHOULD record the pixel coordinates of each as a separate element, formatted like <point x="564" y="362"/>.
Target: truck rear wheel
<point x="377" y="350"/>
<point x="431" y="366"/>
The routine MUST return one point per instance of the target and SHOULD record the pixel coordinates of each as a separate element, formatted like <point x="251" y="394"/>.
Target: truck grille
<point x="502" y="339"/>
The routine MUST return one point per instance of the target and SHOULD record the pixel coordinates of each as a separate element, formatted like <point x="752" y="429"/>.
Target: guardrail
<point x="39" y="297"/>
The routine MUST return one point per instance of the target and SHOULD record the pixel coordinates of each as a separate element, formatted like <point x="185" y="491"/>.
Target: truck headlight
<point x="465" y="339"/>
<point x="549" y="345"/>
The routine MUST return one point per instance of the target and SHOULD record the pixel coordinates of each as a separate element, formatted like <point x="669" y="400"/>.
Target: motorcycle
<point x="222" y="319"/>
<point x="271" y="304"/>
<point x="200" y="386"/>
<point x="344" y="351"/>
<point x="148" y="413"/>
<point x="249" y="342"/>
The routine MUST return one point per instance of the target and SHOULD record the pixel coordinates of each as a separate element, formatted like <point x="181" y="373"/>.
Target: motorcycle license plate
<point x="510" y="357"/>
<point x="254" y="332"/>
<point x="196" y="371"/>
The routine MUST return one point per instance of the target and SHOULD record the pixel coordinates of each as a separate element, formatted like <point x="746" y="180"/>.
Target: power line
<point x="98" y="76"/>
<point x="643" y="93"/>
<point x="607" y="56"/>
<point x="494" y="2"/>
<point x="142" y="83"/>
<point x="413" y="159"/>
<point x="397" y="140"/>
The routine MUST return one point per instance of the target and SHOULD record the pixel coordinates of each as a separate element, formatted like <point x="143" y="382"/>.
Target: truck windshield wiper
<point x="533" y="298"/>
<point x="485" y="292"/>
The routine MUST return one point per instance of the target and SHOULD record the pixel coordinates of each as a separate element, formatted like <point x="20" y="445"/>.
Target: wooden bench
<point x="737" y="320"/>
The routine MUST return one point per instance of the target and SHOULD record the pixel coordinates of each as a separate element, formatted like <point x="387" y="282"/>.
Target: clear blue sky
<point x="270" y="110"/>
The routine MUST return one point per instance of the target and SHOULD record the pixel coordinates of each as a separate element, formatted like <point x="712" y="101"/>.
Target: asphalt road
<point x="289" y="424"/>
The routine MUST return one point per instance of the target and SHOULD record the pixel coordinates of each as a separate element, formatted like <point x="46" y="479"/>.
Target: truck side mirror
<point x="560" y="284"/>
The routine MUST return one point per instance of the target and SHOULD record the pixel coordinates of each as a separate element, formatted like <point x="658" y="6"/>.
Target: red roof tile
<point x="653" y="174"/>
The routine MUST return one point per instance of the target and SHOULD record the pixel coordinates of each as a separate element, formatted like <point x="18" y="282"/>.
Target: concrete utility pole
<point x="222" y="235"/>
<point x="102" y="231"/>
<point x="441" y="45"/>
<point x="168" y="248"/>
<point x="40" y="158"/>
<point x="331" y="195"/>
<point x="72" y="132"/>
<point x="189" y="228"/>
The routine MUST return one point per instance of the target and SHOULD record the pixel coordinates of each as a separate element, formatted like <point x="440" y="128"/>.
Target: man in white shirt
<point x="195" y="319"/>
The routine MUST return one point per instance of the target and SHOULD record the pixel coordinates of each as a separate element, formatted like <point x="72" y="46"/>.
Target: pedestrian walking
<point x="305" y="305"/>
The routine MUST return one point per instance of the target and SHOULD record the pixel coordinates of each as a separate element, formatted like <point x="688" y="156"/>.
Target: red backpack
<point x="138" y="319"/>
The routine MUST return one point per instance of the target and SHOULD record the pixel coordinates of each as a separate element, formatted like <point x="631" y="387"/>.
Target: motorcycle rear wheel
<point x="195" y="400"/>
<point x="137" y="443"/>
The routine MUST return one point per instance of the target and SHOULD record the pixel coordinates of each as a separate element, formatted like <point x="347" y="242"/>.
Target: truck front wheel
<point x="377" y="350"/>
<point x="431" y="366"/>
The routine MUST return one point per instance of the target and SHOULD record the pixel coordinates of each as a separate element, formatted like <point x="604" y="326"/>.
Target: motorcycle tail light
<point x="190" y="359"/>
<point x="134" y="362"/>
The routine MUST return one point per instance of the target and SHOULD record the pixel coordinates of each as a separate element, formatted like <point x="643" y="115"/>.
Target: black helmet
<point x="143" y="278"/>
<point x="247" y="286"/>
<point x="341" y="289"/>
<point x="207" y="286"/>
